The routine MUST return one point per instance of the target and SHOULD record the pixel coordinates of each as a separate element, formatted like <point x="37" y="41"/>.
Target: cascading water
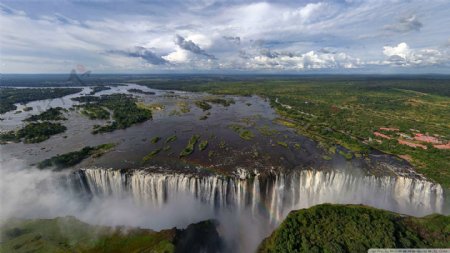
<point x="273" y="196"/>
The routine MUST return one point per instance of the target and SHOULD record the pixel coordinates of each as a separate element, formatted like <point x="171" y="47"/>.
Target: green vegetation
<point x="9" y="136"/>
<point x="72" y="158"/>
<point x="353" y="228"/>
<point x="346" y="111"/>
<point x="151" y="107"/>
<point x="190" y="146"/>
<point x="203" y="105"/>
<point x="203" y="145"/>
<point x="327" y="157"/>
<point x="10" y="96"/>
<point x="155" y="139"/>
<point x="346" y="155"/>
<point x="283" y="144"/>
<point x="33" y="133"/>
<point x="183" y="106"/>
<point x="243" y="133"/>
<point x="71" y="235"/>
<point x="171" y="138"/>
<point x="50" y="114"/>
<point x="246" y="135"/>
<point x="125" y="111"/>
<point x="220" y="101"/>
<point x="141" y="91"/>
<point x="267" y="131"/>
<point x="94" y="111"/>
<point x="96" y="89"/>
<point x="151" y="154"/>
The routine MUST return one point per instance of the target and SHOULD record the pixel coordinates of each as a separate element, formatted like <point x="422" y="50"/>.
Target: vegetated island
<point x="72" y="158"/>
<point x="141" y="91"/>
<point x="96" y="89"/>
<point x="11" y="96"/>
<point x="50" y="114"/>
<point x="355" y="228"/>
<point x="404" y="117"/>
<point x="189" y="149"/>
<point x="33" y="132"/>
<point x="125" y="111"/>
<point x="204" y="104"/>
<point x="68" y="234"/>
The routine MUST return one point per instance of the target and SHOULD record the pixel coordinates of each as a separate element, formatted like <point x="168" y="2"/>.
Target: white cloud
<point x="403" y="55"/>
<point x="309" y="60"/>
<point x="306" y="13"/>
<point x="178" y="56"/>
<point x="233" y="35"/>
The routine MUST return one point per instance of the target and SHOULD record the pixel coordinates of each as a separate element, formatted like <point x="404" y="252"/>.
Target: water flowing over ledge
<point x="272" y="196"/>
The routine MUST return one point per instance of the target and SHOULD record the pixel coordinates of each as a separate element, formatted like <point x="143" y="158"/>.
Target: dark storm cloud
<point x="191" y="46"/>
<point x="236" y="40"/>
<point x="270" y="54"/>
<point x="405" y="24"/>
<point x="143" y="53"/>
<point x="397" y="60"/>
<point x="275" y="54"/>
<point x="244" y="54"/>
<point x="327" y="50"/>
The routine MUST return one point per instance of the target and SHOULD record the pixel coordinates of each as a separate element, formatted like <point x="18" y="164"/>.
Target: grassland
<point x="353" y="228"/>
<point x="347" y="112"/>
<point x="11" y="96"/>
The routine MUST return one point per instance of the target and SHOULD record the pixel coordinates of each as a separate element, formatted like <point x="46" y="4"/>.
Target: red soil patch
<point x="443" y="146"/>
<point x="426" y="138"/>
<point x="389" y="129"/>
<point x="406" y="157"/>
<point x="411" y="144"/>
<point x="381" y="135"/>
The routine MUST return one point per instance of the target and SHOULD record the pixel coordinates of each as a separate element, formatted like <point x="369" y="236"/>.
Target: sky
<point x="214" y="36"/>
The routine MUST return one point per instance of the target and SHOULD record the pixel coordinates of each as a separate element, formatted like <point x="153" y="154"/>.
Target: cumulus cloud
<point x="143" y="53"/>
<point x="309" y="60"/>
<point x="403" y="55"/>
<point x="189" y="45"/>
<point x="405" y="24"/>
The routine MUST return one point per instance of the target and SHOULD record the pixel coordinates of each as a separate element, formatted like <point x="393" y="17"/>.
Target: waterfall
<point x="274" y="195"/>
